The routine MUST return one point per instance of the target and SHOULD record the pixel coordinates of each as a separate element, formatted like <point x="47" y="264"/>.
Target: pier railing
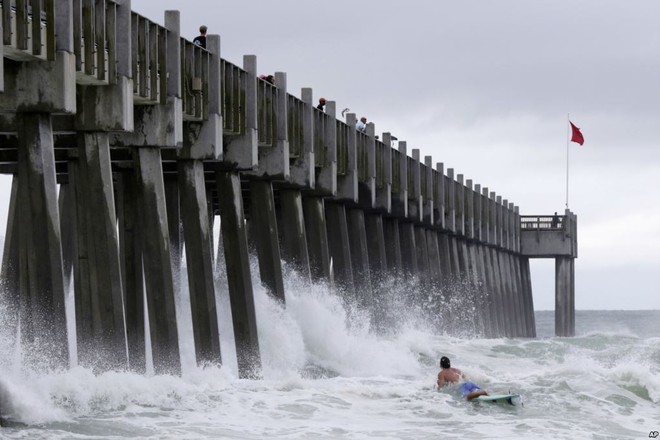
<point x="95" y="41"/>
<point x="538" y="222"/>
<point x="194" y="81"/>
<point x="28" y="29"/>
<point x="320" y="123"/>
<point x="296" y="130"/>
<point x="381" y="153"/>
<point x="342" y="147"/>
<point x="362" y="144"/>
<point x="266" y="112"/>
<point x="233" y="98"/>
<point x="149" y="53"/>
<point x="397" y="158"/>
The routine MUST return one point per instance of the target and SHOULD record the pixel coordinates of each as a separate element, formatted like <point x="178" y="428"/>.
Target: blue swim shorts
<point x="467" y="387"/>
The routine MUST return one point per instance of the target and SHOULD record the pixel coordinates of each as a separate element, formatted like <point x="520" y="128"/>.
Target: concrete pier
<point x="145" y="161"/>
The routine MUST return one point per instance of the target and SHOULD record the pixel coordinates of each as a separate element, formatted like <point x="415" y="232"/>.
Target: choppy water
<point x="327" y="376"/>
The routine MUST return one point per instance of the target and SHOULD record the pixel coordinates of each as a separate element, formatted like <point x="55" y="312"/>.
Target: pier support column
<point x="454" y="259"/>
<point x="564" y="296"/>
<point x="317" y="238"/>
<point x="445" y="260"/>
<point x="99" y="294"/>
<point x="489" y="321"/>
<point x="521" y="311"/>
<point x="434" y="257"/>
<point x="490" y="258"/>
<point x="266" y="238"/>
<point x="294" y="249"/>
<point x="376" y="248"/>
<point x="530" y="319"/>
<point x="476" y="286"/>
<point x="42" y="277"/>
<point x="241" y="295"/>
<point x="508" y="300"/>
<point x="174" y="226"/>
<point x="393" y="246"/>
<point x="157" y="264"/>
<point x="9" y="278"/>
<point x="505" y="298"/>
<point x="66" y="203"/>
<point x="511" y="298"/>
<point x="339" y="246"/>
<point x="199" y="258"/>
<point x="130" y="240"/>
<point x="360" y="257"/>
<point x="408" y="250"/>
<point x="422" y="256"/>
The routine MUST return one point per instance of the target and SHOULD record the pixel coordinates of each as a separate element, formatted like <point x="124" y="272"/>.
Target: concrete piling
<point x="376" y="248"/>
<point x="241" y="296"/>
<point x="408" y="250"/>
<point x="317" y="238"/>
<point x="339" y="247"/>
<point x="564" y="296"/>
<point x="130" y="240"/>
<point x="359" y="256"/>
<point x="393" y="245"/>
<point x="266" y="238"/>
<point x="41" y="267"/>
<point x="9" y="274"/>
<point x="99" y="293"/>
<point x="196" y="230"/>
<point x="294" y="243"/>
<point x="157" y="262"/>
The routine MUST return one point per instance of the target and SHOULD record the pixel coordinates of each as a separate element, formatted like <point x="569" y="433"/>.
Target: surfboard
<point x="511" y="399"/>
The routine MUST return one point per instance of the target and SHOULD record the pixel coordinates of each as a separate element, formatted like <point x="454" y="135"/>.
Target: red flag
<point x="577" y="136"/>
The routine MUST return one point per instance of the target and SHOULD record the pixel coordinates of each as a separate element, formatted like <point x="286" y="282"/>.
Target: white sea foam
<point x="328" y="374"/>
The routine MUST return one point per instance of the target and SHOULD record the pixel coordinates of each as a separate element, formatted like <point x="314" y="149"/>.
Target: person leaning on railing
<point x="555" y="221"/>
<point x="200" y="40"/>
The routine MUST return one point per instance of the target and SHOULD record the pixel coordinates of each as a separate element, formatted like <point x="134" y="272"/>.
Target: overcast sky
<point x="485" y="86"/>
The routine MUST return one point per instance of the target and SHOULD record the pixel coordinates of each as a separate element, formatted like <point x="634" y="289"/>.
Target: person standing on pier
<point x="555" y="221"/>
<point x="361" y="125"/>
<point x="321" y="105"/>
<point x="200" y="40"/>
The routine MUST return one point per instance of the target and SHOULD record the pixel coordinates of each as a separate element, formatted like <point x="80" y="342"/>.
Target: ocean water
<point x="329" y="375"/>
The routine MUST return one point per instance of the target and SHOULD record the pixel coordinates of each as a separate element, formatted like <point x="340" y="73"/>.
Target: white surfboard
<point x="511" y="399"/>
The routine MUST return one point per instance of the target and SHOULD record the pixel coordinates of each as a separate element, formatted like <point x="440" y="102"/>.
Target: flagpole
<point x="568" y="137"/>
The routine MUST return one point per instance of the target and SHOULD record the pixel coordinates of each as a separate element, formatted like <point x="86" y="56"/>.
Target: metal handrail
<point x="542" y="222"/>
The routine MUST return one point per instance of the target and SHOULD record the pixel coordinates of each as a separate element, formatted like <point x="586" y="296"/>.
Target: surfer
<point x="468" y="389"/>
